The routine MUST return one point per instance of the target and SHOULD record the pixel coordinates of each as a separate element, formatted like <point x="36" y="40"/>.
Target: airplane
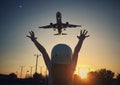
<point x="59" y="25"/>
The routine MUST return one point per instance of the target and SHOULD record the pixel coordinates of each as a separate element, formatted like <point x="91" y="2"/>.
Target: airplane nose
<point x="58" y="13"/>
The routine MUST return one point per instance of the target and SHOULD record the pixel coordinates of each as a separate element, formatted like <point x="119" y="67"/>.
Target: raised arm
<point x="41" y="49"/>
<point x="83" y="35"/>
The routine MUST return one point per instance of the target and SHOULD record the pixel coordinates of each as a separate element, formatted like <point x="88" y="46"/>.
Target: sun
<point x="83" y="72"/>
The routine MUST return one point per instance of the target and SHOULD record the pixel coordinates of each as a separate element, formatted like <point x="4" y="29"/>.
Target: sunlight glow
<point x="83" y="72"/>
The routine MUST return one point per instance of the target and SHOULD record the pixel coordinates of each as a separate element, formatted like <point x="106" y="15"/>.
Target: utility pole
<point x="27" y="74"/>
<point x="21" y="71"/>
<point x="36" y="62"/>
<point x="31" y="70"/>
<point x="41" y="69"/>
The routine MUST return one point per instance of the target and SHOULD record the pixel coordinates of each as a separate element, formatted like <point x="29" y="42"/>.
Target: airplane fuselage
<point x="59" y="22"/>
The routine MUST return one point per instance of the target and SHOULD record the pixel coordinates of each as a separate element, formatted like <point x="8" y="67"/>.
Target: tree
<point x="105" y="77"/>
<point x="76" y="80"/>
<point x="106" y="74"/>
<point x="92" y="77"/>
<point x="38" y="76"/>
<point x="101" y="77"/>
<point x="118" y="76"/>
<point x="12" y="76"/>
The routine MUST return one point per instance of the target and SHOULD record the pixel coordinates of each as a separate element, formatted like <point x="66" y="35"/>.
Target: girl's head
<point x="61" y="54"/>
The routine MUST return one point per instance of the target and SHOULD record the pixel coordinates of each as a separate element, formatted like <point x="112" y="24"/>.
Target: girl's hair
<point x="61" y="74"/>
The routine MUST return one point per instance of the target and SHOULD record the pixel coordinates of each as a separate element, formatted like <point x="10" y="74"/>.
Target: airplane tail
<point x="64" y="33"/>
<point x="61" y="34"/>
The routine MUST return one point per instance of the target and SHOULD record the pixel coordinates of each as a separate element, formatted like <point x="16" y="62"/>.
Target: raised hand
<point x="32" y="36"/>
<point x="83" y="35"/>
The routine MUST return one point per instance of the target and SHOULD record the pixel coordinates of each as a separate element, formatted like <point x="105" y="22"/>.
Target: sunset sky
<point x="100" y="17"/>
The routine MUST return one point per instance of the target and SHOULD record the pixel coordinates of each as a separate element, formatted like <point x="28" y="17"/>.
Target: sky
<point x="100" y="17"/>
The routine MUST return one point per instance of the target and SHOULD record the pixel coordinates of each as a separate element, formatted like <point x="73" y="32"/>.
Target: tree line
<point x="98" y="77"/>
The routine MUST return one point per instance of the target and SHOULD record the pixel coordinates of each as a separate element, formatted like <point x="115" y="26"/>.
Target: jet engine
<point x="67" y="23"/>
<point x="51" y="24"/>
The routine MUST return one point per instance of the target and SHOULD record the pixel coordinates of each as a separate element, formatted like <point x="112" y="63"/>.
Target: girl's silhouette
<point x="63" y="63"/>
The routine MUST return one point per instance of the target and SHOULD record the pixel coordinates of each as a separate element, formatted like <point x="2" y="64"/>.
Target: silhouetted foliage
<point x="76" y="80"/>
<point x="105" y="76"/>
<point x="92" y="77"/>
<point x="37" y="76"/>
<point x="118" y="76"/>
<point x="101" y="77"/>
<point x="12" y="76"/>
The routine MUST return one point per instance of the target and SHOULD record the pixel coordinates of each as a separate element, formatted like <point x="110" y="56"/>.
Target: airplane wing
<point x="70" y="25"/>
<point x="65" y="25"/>
<point x="48" y="26"/>
<point x="45" y="27"/>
